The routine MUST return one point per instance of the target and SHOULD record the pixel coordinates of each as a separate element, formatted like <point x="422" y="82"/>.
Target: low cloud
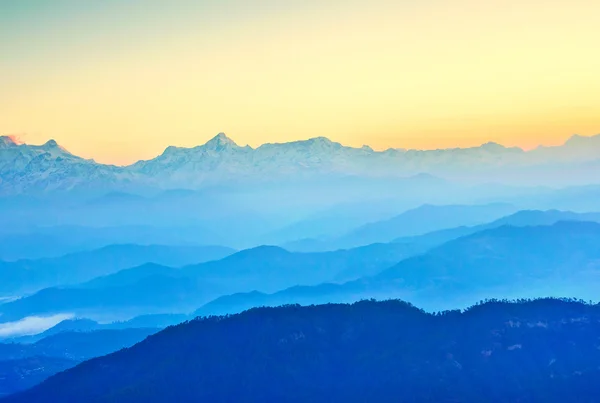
<point x="31" y="325"/>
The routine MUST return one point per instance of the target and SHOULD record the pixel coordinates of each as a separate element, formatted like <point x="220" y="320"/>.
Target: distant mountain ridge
<point x="502" y="261"/>
<point x="152" y="288"/>
<point x="505" y="261"/>
<point x="49" y="167"/>
<point x="33" y="275"/>
<point x="523" y="218"/>
<point x="418" y="221"/>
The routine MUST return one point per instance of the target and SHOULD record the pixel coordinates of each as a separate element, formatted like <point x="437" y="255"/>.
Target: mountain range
<point x="27" y="169"/>
<point x="503" y="262"/>
<point x="539" y="255"/>
<point x="152" y="288"/>
<point x="418" y="221"/>
<point x="124" y="251"/>
<point x="26" y="276"/>
<point x="523" y="218"/>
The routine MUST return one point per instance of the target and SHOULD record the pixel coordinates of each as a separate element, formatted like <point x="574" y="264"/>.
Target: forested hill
<point x="544" y="350"/>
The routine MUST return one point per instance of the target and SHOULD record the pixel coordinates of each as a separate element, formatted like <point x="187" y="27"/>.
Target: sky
<point x="120" y="81"/>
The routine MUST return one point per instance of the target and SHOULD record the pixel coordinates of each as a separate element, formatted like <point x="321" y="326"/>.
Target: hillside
<point x="504" y="262"/>
<point x="428" y="226"/>
<point x="424" y="219"/>
<point x="76" y="345"/>
<point x="33" y="275"/>
<point x="152" y="288"/>
<point x="17" y="375"/>
<point x="544" y="350"/>
<point x="523" y="218"/>
<point x="25" y="365"/>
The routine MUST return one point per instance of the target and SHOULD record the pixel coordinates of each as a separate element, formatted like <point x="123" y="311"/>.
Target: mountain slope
<point x="270" y="268"/>
<point x="425" y="219"/>
<point x="130" y="276"/>
<point x="561" y="259"/>
<point x="543" y="350"/>
<point x="429" y="240"/>
<point x="152" y="294"/>
<point x="23" y="373"/>
<point x="514" y="262"/>
<point x="334" y="221"/>
<point x="158" y="289"/>
<point x="421" y="220"/>
<point x="32" y="275"/>
<point x="47" y="168"/>
<point x="565" y="248"/>
<point x="76" y="345"/>
<point x="24" y="365"/>
<point x="87" y="325"/>
<point x="521" y="218"/>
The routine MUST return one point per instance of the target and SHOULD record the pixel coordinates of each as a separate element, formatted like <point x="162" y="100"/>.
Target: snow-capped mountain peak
<point x="25" y="168"/>
<point x="321" y="141"/>
<point x="493" y="146"/>
<point x="50" y="144"/>
<point x="220" y="142"/>
<point x="7" y="141"/>
<point x="582" y="141"/>
<point x="55" y="150"/>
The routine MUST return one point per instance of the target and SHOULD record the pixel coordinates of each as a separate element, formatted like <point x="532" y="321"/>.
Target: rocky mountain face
<point x="49" y="167"/>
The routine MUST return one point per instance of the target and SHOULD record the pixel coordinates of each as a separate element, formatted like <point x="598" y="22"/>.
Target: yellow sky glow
<point x="432" y="74"/>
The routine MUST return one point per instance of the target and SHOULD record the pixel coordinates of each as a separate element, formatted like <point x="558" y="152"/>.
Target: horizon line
<point x="17" y="141"/>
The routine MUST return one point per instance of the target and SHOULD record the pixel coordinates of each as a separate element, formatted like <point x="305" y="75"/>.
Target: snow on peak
<point x="583" y="141"/>
<point x="52" y="147"/>
<point x="492" y="146"/>
<point x="319" y="140"/>
<point x="50" y="144"/>
<point x="219" y="142"/>
<point x="318" y="143"/>
<point x="7" y="141"/>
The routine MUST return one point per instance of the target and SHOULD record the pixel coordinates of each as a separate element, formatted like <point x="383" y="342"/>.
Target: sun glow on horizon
<point x="120" y="83"/>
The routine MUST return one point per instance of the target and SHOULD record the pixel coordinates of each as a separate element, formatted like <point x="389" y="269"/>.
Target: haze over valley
<point x="106" y="255"/>
<point x="308" y="221"/>
<point x="299" y="201"/>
